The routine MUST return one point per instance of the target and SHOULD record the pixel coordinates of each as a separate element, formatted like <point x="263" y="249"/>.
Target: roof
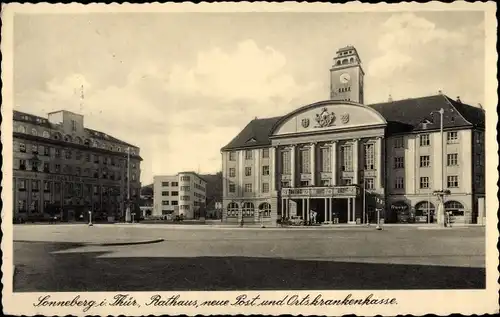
<point x="402" y="116"/>
<point x="255" y="134"/>
<point x="41" y="121"/>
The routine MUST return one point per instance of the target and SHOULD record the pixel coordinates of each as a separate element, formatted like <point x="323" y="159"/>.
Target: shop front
<point x="401" y="212"/>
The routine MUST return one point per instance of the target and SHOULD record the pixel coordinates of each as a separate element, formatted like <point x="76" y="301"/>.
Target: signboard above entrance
<point x="322" y="192"/>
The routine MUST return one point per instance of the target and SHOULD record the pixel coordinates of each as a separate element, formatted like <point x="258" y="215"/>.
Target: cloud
<point x="403" y="36"/>
<point x="180" y="116"/>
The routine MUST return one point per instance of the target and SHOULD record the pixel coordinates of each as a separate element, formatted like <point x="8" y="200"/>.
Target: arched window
<point x="21" y="129"/>
<point x="232" y="209"/>
<point x="248" y="209"/>
<point x="95" y="143"/>
<point x="67" y="138"/>
<point x="86" y="142"/>
<point x="57" y="136"/>
<point x="351" y="60"/>
<point x="344" y="61"/>
<point x="34" y="132"/>
<point x="46" y="134"/>
<point x="265" y="210"/>
<point x="338" y="62"/>
<point x="456" y="208"/>
<point x="78" y="140"/>
<point x="423" y="208"/>
<point x="118" y="149"/>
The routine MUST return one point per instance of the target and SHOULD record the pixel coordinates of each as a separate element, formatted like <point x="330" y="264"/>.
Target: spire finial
<point x="390" y="98"/>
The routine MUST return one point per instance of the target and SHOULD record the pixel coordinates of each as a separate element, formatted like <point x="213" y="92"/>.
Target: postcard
<point x="249" y="158"/>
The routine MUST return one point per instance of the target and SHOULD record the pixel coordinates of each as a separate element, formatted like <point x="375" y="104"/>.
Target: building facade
<point x="182" y="194"/>
<point x="349" y="163"/>
<point x="62" y="168"/>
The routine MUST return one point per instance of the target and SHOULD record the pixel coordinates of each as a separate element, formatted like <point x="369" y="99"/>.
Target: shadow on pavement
<point x="39" y="270"/>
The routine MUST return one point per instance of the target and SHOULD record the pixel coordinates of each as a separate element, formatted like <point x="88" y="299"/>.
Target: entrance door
<point x="339" y="210"/>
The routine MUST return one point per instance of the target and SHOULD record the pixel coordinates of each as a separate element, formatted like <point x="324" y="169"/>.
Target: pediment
<point x="251" y="140"/>
<point x="328" y="115"/>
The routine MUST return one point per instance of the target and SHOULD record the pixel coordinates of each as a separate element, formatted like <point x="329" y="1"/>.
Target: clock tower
<point x="346" y="76"/>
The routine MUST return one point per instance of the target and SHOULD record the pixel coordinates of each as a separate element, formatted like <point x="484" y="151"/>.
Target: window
<point x="73" y="125"/>
<point x="248" y="209"/>
<point x="34" y="165"/>
<point x="265" y="210"/>
<point x="164" y="184"/>
<point x="34" y="132"/>
<point x="369" y="183"/>
<point x="58" y="168"/>
<point x="326" y="165"/>
<point x="22" y="129"/>
<point x="304" y="183"/>
<point x="452" y="181"/>
<point x="369" y="156"/>
<point x="96" y="159"/>
<point x="58" y="152"/>
<point x="22" y="147"/>
<point x="68" y="154"/>
<point x="175" y="202"/>
<point x="232" y="209"/>
<point x="248" y="154"/>
<point x="174" y="184"/>
<point x="248" y="188"/>
<point x="398" y="142"/>
<point x="346" y="158"/>
<point x="184" y="207"/>
<point x="133" y="177"/>
<point x="399" y="162"/>
<point x="232" y="156"/>
<point x="265" y="187"/>
<point x="232" y="172"/>
<point x="185" y="178"/>
<point x="305" y="166"/>
<point x="424" y="182"/>
<point x="285" y="162"/>
<point x="174" y="193"/>
<point x="347" y="181"/>
<point x="452" y="159"/>
<point x="46" y="168"/>
<point x="325" y="182"/>
<point x="265" y="170"/>
<point x="35" y="185"/>
<point x="21" y="185"/>
<point x="22" y="165"/>
<point x="265" y="153"/>
<point x="165" y="202"/>
<point x="425" y="161"/>
<point x="452" y="137"/>
<point x="34" y="149"/>
<point x="185" y="188"/>
<point x="46" y="134"/>
<point x="285" y="184"/>
<point x="248" y="171"/>
<point x="46" y="151"/>
<point x="456" y="208"/>
<point x="425" y="140"/>
<point x="185" y="198"/>
<point x="164" y="193"/>
<point x="232" y="187"/>
<point x="399" y="183"/>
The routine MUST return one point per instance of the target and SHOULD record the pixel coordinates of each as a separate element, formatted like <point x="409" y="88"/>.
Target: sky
<point x="181" y="85"/>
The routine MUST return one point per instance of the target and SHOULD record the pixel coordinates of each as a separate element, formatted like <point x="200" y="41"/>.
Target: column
<point x="225" y="172"/>
<point x="313" y="163"/>
<point x="257" y="170"/>
<point x="355" y="159"/>
<point x="306" y="214"/>
<point x="333" y="152"/>
<point x="348" y="210"/>
<point x="326" y="209"/>
<point x="283" y="208"/>
<point x="330" y="212"/>
<point x="273" y="168"/>
<point x="241" y="171"/>
<point x="379" y="159"/>
<point x="354" y="209"/>
<point x="303" y="207"/>
<point x="292" y="165"/>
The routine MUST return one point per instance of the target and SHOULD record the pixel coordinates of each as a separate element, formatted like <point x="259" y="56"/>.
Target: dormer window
<point x="46" y="134"/>
<point x="22" y="129"/>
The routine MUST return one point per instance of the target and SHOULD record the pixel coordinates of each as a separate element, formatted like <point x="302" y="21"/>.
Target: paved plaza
<point x="73" y="258"/>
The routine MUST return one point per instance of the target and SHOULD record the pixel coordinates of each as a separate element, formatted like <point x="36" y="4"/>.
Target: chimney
<point x="480" y="106"/>
<point x="440" y="91"/>
<point x="390" y="98"/>
<point x="458" y="99"/>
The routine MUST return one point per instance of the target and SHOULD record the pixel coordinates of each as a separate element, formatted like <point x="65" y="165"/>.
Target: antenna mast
<point x="82" y="98"/>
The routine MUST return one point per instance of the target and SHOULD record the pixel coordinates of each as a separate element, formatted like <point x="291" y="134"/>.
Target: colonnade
<point x="327" y="210"/>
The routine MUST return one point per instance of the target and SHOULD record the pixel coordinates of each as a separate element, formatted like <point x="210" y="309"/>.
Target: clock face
<point x="345" y="78"/>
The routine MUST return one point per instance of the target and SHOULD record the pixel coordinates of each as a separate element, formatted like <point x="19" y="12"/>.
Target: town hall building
<point x="346" y="162"/>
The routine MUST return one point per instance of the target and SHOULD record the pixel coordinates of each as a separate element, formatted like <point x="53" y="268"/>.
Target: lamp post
<point x="90" y="218"/>
<point x="127" y="212"/>
<point x="441" y="193"/>
<point x="378" y="220"/>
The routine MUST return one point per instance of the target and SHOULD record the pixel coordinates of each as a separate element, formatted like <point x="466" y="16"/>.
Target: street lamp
<point x="378" y="220"/>
<point x="441" y="193"/>
<point x="90" y="218"/>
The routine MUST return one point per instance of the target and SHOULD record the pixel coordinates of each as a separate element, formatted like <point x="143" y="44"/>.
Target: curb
<point x="105" y="244"/>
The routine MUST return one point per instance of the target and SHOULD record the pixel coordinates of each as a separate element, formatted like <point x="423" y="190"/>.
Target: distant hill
<point x="214" y="188"/>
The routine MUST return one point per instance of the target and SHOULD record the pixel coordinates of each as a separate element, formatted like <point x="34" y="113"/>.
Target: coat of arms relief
<point x="325" y="118"/>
